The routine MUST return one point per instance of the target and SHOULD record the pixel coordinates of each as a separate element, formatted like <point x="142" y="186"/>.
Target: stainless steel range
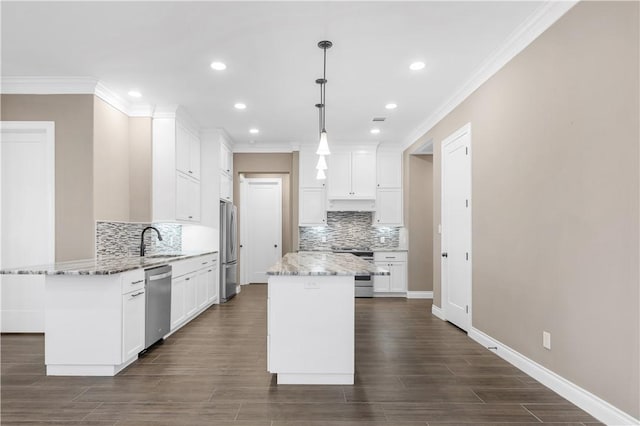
<point x="364" y="284"/>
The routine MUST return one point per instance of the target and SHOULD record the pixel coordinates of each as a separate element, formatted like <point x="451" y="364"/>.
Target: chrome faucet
<point x="142" y="246"/>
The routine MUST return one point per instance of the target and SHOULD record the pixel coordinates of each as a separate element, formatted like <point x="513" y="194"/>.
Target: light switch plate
<point x="324" y="239"/>
<point x="382" y="239"/>
<point x="546" y="340"/>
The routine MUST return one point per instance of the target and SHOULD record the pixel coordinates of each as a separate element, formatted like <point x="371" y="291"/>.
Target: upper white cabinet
<point x="187" y="152"/>
<point x="226" y="171"/>
<point x="308" y="160"/>
<point x="312" y="211"/>
<point x="352" y="175"/>
<point x="176" y="170"/>
<point x="389" y="189"/>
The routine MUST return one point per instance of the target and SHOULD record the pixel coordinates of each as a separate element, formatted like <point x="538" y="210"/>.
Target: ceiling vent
<point x="379" y="118"/>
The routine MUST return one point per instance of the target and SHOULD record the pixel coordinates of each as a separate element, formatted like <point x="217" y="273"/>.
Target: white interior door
<point x="456" y="228"/>
<point x="263" y="212"/>
<point x="27" y="221"/>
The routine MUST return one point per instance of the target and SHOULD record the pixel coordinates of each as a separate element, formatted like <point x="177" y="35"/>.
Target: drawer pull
<point x="137" y="294"/>
<point x="136" y="282"/>
<point x="210" y="270"/>
<point x="390" y="257"/>
<point x="204" y="263"/>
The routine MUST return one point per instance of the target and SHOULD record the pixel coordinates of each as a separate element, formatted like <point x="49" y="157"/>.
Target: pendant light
<point x="322" y="163"/>
<point x="321" y="175"/>
<point x="323" y="146"/>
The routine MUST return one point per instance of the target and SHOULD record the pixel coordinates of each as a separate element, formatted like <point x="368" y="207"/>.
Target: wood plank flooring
<point x="411" y="369"/>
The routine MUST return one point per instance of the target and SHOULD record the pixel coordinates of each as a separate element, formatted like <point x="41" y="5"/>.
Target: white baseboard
<point x="438" y="312"/>
<point x="419" y="295"/>
<point x="597" y="407"/>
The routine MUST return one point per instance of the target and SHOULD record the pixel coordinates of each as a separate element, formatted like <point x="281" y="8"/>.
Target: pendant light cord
<point x="324" y="93"/>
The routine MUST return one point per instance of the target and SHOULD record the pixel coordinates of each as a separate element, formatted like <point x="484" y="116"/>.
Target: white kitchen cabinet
<point x="176" y="169"/>
<point x="190" y="295"/>
<point x="307" y="170"/>
<point x="312" y="211"/>
<point x="187" y="198"/>
<point x="201" y="288"/>
<point x="212" y="284"/>
<point x="389" y="169"/>
<point x="178" y="314"/>
<point x="226" y="159"/>
<point x="352" y="175"/>
<point x="396" y="282"/>
<point x="226" y="187"/>
<point x="133" y="323"/>
<point x="388" y="207"/>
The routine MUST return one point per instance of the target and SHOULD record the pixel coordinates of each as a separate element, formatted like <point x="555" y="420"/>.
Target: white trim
<point x="260" y="147"/>
<point x="437" y="312"/>
<point x="389" y="294"/>
<point x="73" y="86"/>
<point x="592" y="404"/>
<point x="541" y="19"/>
<point x="419" y="295"/>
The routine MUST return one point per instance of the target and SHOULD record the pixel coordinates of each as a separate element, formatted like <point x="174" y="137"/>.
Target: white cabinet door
<point x="381" y="283"/>
<point x="183" y="196"/>
<point x="226" y="187"/>
<point x="398" y="282"/>
<point x="313" y="211"/>
<point x="133" y="314"/>
<point x="177" y="302"/>
<point x="389" y="169"/>
<point x="183" y="142"/>
<point x="194" y="156"/>
<point x="363" y="175"/>
<point x="226" y="159"/>
<point x="308" y="160"/>
<point x="201" y="288"/>
<point x="190" y="295"/>
<point x="194" y="201"/>
<point x="212" y="284"/>
<point x="339" y="175"/>
<point x="389" y="207"/>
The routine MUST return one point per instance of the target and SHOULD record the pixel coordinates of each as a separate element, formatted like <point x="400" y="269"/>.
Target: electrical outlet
<point x="382" y="239"/>
<point x="546" y="340"/>
<point x="324" y="239"/>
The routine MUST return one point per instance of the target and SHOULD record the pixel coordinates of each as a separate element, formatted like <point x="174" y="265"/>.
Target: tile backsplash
<point x="117" y="239"/>
<point x="351" y="229"/>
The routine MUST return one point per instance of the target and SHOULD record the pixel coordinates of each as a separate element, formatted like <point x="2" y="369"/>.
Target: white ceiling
<point x="164" y="49"/>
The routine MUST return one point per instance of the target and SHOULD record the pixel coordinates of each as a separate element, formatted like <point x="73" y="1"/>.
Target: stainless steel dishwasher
<point x="158" y="309"/>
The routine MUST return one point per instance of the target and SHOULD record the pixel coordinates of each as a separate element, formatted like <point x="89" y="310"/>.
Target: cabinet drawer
<point x="206" y="261"/>
<point x="132" y="280"/>
<point x="182" y="267"/>
<point x="390" y="256"/>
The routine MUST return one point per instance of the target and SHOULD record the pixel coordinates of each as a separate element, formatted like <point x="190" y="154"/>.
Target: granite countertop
<point x="321" y="263"/>
<point x="108" y="266"/>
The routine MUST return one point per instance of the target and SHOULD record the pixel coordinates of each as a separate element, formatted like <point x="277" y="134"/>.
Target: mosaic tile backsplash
<point x="348" y="229"/>
<point x="118" y="239"/>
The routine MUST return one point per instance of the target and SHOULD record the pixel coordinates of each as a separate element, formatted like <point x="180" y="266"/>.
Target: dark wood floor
<point x="411" y="369"/>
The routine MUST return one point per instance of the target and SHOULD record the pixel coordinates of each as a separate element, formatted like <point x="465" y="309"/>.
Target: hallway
<point x="411" y="369"/>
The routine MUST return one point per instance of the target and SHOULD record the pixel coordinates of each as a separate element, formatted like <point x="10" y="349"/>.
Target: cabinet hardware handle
<point x="204" y="263"/>
<point x="275" y="245"/>
<point x="227" y="170"/>
<point x="190" y="171"/>
<point x="136" y="282"/>
<point x="390" y="257"/>
<point x="187" y="279"/>
<point x="210" y="270"/>
<point x="137" y="294"/>
<point x="190" y="217"/>
<point x="445" y="254"/>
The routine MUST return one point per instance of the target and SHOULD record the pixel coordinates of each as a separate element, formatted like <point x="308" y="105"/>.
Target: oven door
<point x="364" y="286"/>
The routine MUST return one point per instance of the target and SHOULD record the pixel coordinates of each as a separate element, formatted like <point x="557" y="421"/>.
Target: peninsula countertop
<point x="107" y="266"/>
<point x="322" y="263"/>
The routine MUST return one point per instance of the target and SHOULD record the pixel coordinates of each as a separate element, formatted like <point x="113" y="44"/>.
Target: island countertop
<point x="321" y="263"/>
<point x="107" y="266"/>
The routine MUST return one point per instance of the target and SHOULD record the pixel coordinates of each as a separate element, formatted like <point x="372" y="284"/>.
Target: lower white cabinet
<point x="396" y="263"/>
<point x="133" y="323"/>
<point x="194" y="287"/>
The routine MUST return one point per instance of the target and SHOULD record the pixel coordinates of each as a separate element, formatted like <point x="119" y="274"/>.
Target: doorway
<point x="27" y="220"/>
<point x="456" y="228"/>
<point x="261" y="226"/>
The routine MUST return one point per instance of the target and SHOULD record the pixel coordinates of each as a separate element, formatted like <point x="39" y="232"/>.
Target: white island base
<point x="310" y="338"/>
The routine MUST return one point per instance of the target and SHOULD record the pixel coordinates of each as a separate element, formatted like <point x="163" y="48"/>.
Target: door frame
<point x="444" y="285"/>
<point x="245" y="252"/>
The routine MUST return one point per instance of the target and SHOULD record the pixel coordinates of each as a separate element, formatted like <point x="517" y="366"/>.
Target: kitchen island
<point x="96" y="309"/>
<point x="311" y="317"/>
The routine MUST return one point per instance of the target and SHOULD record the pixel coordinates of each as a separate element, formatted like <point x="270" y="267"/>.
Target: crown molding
<point x="72" y="86"/>
<point x="261" y="148"/>
<point x="539" y="21"/>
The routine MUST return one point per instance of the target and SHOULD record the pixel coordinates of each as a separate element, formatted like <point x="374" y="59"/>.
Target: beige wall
<point x="140" y="159"/>
<point x="110" y="163"/>
<point x="418" y="193"/>
<point x="265" y="165"/>
<point x="73" y="118"/>
<point x="556" y="200"/>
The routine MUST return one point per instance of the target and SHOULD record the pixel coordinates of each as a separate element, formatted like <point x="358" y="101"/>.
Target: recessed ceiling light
<point x="375" y="131"/>
<point x="416" y="66"/>
<point x="240" y="105"/>
<point x="135" y="94"/>
<point x="252" y="141"/>
<point x="254" y="131"/>
<point x="218" y="66"/>
<point x="391" y="106"/>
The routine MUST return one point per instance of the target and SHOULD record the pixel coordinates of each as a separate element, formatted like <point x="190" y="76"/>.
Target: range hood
<point x="351" y="205"/>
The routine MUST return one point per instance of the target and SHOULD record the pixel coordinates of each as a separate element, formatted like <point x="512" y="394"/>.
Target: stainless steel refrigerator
<point x="228" y="251"/>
